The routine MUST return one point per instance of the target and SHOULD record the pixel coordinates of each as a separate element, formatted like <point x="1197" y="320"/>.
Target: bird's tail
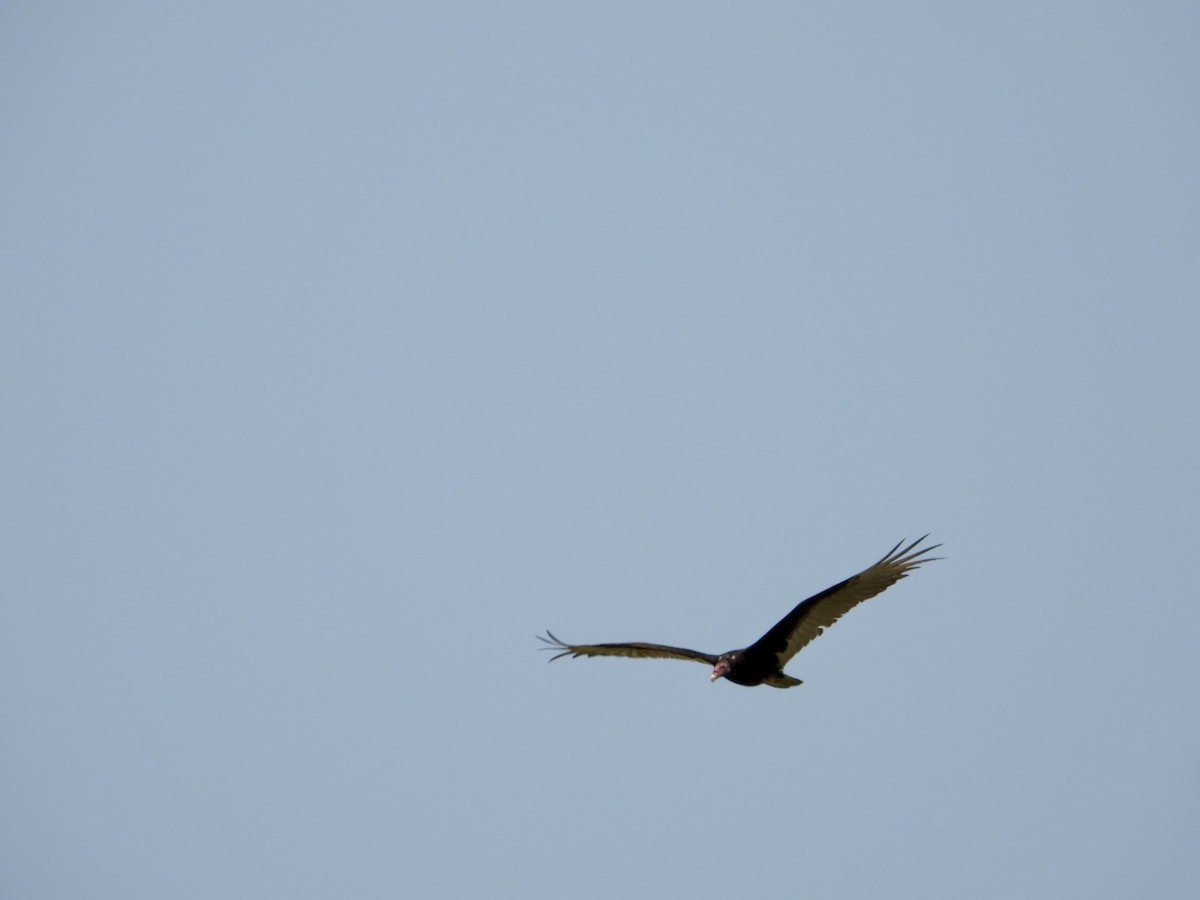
<point x="782" y="681"/>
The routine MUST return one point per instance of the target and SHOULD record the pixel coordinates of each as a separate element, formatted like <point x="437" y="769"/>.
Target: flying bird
<point x="763" y="661"/>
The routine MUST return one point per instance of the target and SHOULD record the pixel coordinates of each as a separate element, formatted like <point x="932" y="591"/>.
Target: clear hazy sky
<point x="344" y="347"/>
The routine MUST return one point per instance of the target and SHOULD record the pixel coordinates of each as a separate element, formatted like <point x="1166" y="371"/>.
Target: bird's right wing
<point x="811" y="617"/>
<point x="632" y="650"/>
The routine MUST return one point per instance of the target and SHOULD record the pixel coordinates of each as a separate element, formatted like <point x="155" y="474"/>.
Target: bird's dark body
<point x="763" y="661"/>
<point x="749" y="669"/>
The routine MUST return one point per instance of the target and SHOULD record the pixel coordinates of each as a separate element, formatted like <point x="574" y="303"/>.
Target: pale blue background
<point x="346" y="346"/>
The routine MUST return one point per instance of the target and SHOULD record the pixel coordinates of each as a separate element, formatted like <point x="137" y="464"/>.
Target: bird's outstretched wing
<point x="634" y="650"/>
<point x="811" y="617"/>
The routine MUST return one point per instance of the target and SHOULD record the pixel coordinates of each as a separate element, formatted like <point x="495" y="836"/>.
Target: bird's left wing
<point x="811" y="617"/>
<point x="633" y="650"/>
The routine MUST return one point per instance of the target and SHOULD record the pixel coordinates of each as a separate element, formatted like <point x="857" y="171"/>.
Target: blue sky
<point x="345" y="348"/>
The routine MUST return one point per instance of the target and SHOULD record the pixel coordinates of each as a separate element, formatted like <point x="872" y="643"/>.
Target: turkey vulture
<point x="763" y="661"/>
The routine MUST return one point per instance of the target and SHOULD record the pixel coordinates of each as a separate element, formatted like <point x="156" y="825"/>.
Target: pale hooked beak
<point x="719" y="671"/>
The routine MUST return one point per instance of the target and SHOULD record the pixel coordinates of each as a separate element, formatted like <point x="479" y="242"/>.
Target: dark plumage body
<point x="763" y="661"/>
